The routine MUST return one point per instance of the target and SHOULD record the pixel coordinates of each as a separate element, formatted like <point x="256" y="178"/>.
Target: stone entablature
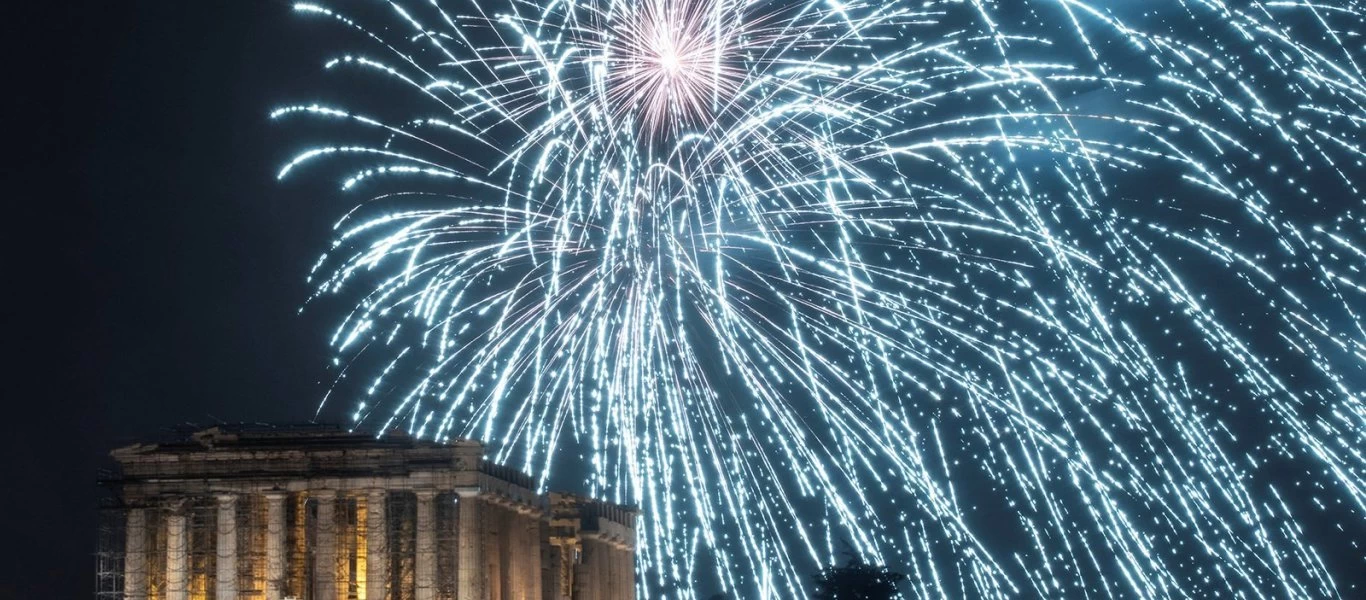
<point x="323" y="514"/>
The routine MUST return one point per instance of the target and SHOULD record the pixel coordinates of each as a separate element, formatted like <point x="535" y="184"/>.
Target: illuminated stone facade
<point x="320" y="514"/>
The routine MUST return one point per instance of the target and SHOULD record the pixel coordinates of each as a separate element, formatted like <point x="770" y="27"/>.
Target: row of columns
<point x="226" y="549"/>
<point x="606" y="572"/>
<point x="505" y="551"/>
<point x="512" y="539"/>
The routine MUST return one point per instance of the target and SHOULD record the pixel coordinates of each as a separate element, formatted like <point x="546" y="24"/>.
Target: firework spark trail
<point x="797" y="276"/>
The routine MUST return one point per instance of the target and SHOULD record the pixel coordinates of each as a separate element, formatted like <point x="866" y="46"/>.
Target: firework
<point x="669" y="63"/>
<point x="1022" y="298"/>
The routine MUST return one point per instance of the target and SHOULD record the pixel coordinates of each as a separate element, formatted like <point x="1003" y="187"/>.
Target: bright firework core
<point x="667" y="63"/>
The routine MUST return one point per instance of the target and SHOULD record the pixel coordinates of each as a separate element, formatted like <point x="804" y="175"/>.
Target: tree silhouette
<point x="858" y="581"/>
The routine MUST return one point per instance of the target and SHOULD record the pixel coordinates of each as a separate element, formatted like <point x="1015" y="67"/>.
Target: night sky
<point x="157" y="267"/>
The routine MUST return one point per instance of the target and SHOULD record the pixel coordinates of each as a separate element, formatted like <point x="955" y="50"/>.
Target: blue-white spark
<point x="1021" y="297"/>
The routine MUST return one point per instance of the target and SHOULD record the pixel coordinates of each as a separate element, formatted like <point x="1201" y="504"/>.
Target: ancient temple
<point x="321" y="514"/>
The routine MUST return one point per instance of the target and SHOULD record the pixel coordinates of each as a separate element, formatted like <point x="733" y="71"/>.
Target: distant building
<point x="322" y="514"/>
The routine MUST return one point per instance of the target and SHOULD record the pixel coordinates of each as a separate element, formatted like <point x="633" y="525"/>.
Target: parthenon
<point x="318" y="513"/>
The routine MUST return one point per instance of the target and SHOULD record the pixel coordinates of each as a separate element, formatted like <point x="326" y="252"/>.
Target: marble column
<point x="531" y="546"/>
<point x="618" y="577"/>
<point x="605" y="572"/>
<point x="325" y="552"/>
<point x="618" y="573"/>
<point x="627" y="558"/>
<point x="496" y="551"/>
<point x="177" y="555"/>
<point x="551" y="571"/>
<point x="609" y="570"/>
<point x="598" y="580"/>
<point x="135" y="555"/>
<point x="469" y="567"/>
<point x="515" y="582"/>
<point x="589" y="582"/>
<point x="376" y="544"/>
<point x="609" y="566"/>
<point x="275" y="545"/>
<point x="425" y="570"/>
<point x="225" y="579"/>
<point x="613" y="574"/>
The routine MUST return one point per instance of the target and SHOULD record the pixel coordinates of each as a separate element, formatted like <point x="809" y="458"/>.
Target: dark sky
<point x="157" y="268"/>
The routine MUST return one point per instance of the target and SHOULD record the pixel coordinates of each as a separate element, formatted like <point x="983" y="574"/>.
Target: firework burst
<point x="670" y="63"/>
<point x="1022" y="298"/>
